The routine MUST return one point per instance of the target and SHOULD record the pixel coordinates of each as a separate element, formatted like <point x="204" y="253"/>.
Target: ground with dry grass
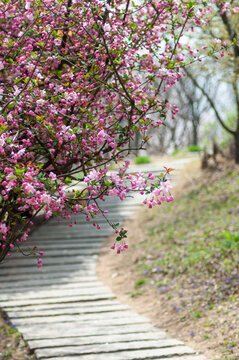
<point x="12" y="346"/>
<point x="182" y="267"/>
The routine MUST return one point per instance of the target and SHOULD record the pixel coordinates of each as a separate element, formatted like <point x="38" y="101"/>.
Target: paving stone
<point x="66" y="299"/>
<point x="48" y="269"/>
<point x="51" y="261"/>
<point x="33" y="332"/>
<point x="102" y="339"/>
<point x="91" y="319"/>
<point x="63" y="230"/>
<point x="53" y="287"/>
<point x="93" y="305"/>
<point x="148" y="349"/>
<point x="77" y="245"/>
<point x="76" y="310"/>
<point x="61" y="292"/>
<point x="128" y="356"/>
<point x="115" y="210"/>
<point x="41" y="274"/>
<point x="51" y="233"/>
<point x="68" y="238"/>
<point x="40" y="283"/>
<point x="63" y="252"/>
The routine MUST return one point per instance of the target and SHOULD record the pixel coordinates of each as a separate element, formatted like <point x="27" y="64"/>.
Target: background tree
<point x="221" y="37"/>
<point x="184" y="129"/>
<point x="192" y="107"/>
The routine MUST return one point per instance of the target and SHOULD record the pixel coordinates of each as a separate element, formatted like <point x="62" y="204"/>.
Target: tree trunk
<point x="137" y="141"/>
<point x="195" y="133"/>
<point x="195" y="122"/>
<point x="237" y="147"/>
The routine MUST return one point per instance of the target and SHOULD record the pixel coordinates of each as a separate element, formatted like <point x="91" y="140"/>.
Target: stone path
<point x="65" y="312"/>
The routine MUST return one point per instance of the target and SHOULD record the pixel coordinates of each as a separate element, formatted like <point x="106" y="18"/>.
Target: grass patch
<point x="140" y="282"/>
<point x="140" y="160"/>
<point x="194" y="148"/>
<point x="175" y="152"/>
<point x="136" y="293"/>
<point x="196" y="314"/>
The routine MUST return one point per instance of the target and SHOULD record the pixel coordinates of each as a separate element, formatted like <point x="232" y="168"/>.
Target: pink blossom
<point x="113" y="192"/>
<point x="94" y="175"/>
<point x="115" y="178"/>
<point x="28" y="188"/>
<point x="28" y="5"/>
<point x="3" y="228"/>
<point x="39" y="263"/>
<point x="52" y="176"/>
<point x="107" y="27"/>
<point x="165" y="186"/>
<point x="57" y="42"/>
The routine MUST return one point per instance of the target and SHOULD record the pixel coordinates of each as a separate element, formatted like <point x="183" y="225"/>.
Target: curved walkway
<point x="65" y="313"/>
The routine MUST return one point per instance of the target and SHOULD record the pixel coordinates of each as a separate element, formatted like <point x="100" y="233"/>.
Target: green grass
<point x="175" y="152"/>
<point x="196" y="314"/>
<point x="180" y="153"/>
<point x="140" y="282"/>
<point x="140" y="160"/>
<point x="136" y="293"/>
<point x="194" y="148"/>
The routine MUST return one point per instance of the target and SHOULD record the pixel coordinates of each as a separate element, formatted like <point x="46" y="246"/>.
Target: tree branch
<point x="231" y="31"/>
<point x="209" y="99"/>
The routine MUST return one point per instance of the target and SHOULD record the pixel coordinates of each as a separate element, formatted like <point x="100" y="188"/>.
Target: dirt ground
<point x="119" y="272"/>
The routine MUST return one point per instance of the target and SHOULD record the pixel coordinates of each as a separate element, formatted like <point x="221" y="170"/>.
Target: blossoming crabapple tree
<point x="76" y="84"/>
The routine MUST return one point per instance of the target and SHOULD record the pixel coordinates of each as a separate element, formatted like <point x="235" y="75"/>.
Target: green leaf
<point x="19" y="171"/>
<point x="190" y="4"/>
<point x="68" y="180"/>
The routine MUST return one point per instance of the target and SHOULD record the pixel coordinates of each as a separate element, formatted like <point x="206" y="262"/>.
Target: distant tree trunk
<point x="195" y="131"/>
<point x="195" y="122"/>
<point x="236" y="137"/>
<point x="233" y="132"/>
<point x="137" y="140"/>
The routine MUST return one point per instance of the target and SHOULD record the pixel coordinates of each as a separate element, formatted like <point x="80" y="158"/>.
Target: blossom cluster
<point x="78" y="80"/>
